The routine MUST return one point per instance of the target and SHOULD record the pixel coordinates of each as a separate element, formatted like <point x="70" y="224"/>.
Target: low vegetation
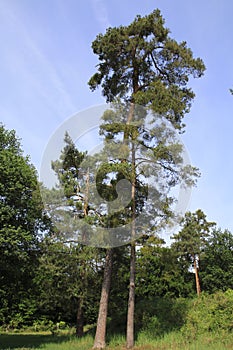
<point x="199" y="323"/>
<point x="171" y="341"/>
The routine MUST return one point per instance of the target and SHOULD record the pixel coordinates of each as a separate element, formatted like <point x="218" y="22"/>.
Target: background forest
<point x="49" y="285"/>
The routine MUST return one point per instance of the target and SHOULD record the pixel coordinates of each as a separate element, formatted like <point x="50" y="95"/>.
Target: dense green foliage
<point x="44" y="279"/>
<point x="160" y="274"/>
<point x="65" y="277"/>
<point x="21" y="223"/>
<point x="190" y="241"/>
<point x="141" y="63"/>
<point x="199" y="323"/>
<point x="217" y="266"/>
<point x="67" y="167"/>
<point x="209" y="314"/>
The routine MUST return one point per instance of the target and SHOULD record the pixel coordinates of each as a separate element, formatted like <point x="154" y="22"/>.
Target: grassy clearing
<point x="171" y="341"/>
<point x="176" y="341"/>
<point x="29" y="341"/>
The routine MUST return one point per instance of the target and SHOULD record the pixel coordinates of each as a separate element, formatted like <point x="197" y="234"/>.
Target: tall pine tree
<point x="141" y="64"/>
<point x="190" y="242"/>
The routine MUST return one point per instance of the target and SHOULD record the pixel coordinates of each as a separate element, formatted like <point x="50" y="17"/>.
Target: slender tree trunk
<point x="80" y="320"/>
<point x="86" y="197"/>
<point x="131" y="301"/>
<point x="198" y="288"/>
<point x="80" y="311"/>
<point x="80" y="315"/>
<point x="129" y="120"/>
<point x="100" y="334"/>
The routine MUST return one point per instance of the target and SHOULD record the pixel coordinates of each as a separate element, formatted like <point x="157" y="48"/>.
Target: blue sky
<point x="46" y="61"/>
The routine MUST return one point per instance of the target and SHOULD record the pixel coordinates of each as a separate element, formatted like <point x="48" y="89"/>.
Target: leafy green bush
<point x="47" y="325"/>
<point x="209" y="313"/>
<point x="161" y="315"/>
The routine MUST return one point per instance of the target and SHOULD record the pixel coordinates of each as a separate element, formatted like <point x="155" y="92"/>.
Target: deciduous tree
<point x="217" y="262"/>
<point x="21" y="222"/>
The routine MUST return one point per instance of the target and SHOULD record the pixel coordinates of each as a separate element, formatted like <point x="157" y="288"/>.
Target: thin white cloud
<point x="101" y="13"/>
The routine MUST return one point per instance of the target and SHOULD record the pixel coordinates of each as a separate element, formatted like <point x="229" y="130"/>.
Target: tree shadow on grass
<point x="29" y="341"/>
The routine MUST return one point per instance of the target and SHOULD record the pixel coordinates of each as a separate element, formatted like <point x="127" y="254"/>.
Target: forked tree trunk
<point x="198" y="288"/>
<point x="100" y="335"/>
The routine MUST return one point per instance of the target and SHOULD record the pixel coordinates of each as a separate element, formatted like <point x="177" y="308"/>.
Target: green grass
<point x="171" y="341"/>
<point x="43" y="341"/>
<point x="176" y="341"/>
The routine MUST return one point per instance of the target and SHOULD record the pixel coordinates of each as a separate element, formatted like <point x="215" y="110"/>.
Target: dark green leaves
<point x="141" y="63"/>
<point x="21" y="222"/>
<point x="192" y="238"/>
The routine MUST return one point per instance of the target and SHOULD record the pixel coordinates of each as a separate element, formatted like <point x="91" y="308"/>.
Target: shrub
<point x="209" y="313"/>
<point x="161" y="315"/>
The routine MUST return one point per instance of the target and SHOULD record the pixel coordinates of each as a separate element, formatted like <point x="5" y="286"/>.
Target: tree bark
<point x="80" y="315"/>
<point x="198" y="288"/>
<point x="86" y="198"/>
<point x="80" y="320"/>
<point x="131" y="301"/>
<point x="100" y="335"/>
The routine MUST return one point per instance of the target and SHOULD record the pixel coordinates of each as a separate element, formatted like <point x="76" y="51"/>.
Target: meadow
<point x="170" y="341"/>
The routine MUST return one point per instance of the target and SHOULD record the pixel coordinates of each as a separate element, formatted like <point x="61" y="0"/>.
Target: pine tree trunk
<point x="198" y="288"/>
<point x="100" y="334"/>
<point x="131" y="302"/>
<point x="80" y="320"/>
<point x="80" y="313"/>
